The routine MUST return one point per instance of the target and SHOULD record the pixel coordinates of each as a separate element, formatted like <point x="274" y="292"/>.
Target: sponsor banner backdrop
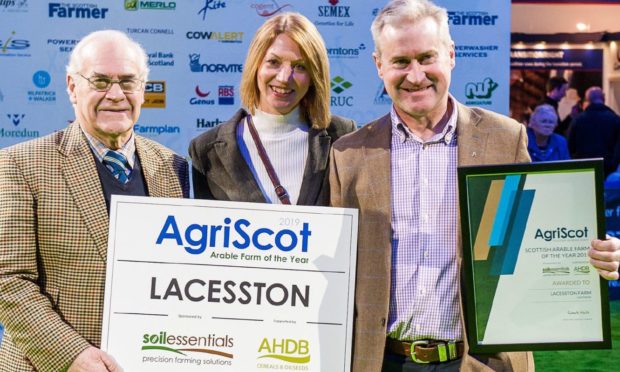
<point x="196" y="52"/>
<point x="195" y="284"/>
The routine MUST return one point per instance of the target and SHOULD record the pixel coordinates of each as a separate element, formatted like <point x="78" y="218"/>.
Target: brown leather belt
<point x="426" y="351"/>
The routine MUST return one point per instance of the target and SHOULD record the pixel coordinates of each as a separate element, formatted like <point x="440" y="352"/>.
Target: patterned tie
<point x="118" y="165"/>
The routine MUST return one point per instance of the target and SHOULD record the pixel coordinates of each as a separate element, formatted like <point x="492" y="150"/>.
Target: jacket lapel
<point x="472" y="139"/>
<point x="376" y="162"/>
<point x="241" y="184"/>
<point x="472" y="142"/>
<point x="158" y="173"/>
<point x="80" y="173"/>
<point x="316" y="165"/>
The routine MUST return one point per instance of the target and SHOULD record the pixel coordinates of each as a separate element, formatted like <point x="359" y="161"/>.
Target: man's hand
<point x="95" y="360"/>
<point x="605" y="257"/>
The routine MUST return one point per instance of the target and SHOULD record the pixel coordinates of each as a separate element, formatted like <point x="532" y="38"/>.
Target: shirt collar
<point x="99" y="149"/>
<point x="446" y="135"/>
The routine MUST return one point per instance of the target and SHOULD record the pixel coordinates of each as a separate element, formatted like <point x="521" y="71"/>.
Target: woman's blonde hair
<point x="315" y="104"/>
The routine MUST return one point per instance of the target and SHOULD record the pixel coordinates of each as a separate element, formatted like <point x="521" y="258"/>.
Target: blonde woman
<point x="276" y="149"/>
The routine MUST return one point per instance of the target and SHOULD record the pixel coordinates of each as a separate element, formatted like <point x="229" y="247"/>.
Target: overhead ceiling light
<point x="582" y="26"/>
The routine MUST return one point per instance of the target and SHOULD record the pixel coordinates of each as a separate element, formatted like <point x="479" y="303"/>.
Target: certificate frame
<point x="495" y="206"/>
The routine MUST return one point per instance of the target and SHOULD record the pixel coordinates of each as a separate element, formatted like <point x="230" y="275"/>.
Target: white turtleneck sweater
<point x="285" y="138"/>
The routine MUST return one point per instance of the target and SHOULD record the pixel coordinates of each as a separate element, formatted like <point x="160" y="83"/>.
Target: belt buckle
<point x="446" y="351"/>
<point x="412" y="350"/>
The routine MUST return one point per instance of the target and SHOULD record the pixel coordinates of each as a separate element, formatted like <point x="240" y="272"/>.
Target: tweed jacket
<point x="360" y="178"/>
<point x="220" y="172"/>
<point x="54" y="229"/>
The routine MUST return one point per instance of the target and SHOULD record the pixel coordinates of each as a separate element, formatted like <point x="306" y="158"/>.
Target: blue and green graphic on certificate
<point x="526" y="232"/>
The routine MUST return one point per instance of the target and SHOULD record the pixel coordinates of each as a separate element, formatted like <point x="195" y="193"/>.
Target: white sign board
<point x="194" y="285"/>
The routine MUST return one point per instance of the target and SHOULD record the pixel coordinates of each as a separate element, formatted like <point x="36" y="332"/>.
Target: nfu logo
<point x="285" y="349"/>
<point x="196" y="66"/>
<point x="15" y="118"/>
<point x="339" y="85"/>
<point x="483" y="90"/>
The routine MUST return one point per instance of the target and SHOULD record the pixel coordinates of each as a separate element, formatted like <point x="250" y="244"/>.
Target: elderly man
<point x="400" y="172"/>
<point x="595" y="133"/>
<point x="54" y="205"/>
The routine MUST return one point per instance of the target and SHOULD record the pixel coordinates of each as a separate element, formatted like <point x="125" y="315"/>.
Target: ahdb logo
<point x="284" y="349"/>
<point x="339" y="85"/>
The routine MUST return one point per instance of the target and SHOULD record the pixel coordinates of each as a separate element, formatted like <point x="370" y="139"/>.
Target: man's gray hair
<point x="412" y="11"/>
<point x="77" y="55"/>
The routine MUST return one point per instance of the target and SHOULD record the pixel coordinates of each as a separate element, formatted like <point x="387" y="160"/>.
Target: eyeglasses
<point x="104" y="84"/>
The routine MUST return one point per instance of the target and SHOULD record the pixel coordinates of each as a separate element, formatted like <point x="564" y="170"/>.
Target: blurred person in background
<point x="543" y="144"/>
<point x="555" y="89"/>
<point x="595" y="132"/>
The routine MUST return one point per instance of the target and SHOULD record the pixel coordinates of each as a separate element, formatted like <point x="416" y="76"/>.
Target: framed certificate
<point x="196" y="285"/>
<point x="528" y="283"/>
